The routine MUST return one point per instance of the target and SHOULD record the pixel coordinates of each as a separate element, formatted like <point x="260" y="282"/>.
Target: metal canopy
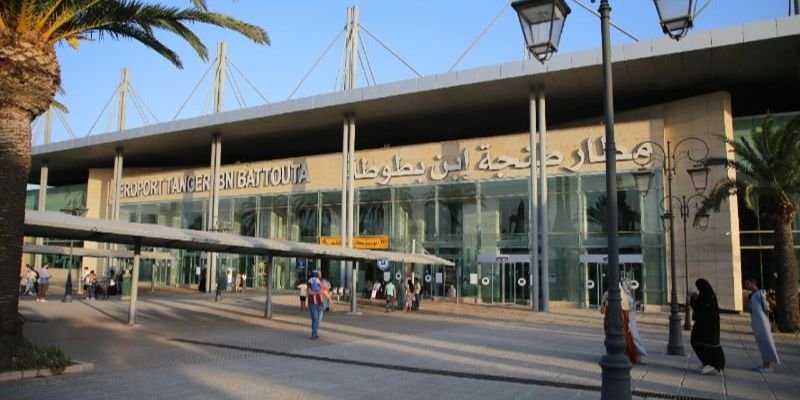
<point x="63" y="226"/>
<point x="96" y="253"/>
<point x="748" y="61"/>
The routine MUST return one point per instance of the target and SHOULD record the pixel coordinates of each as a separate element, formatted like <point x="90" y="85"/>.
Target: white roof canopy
<point x="97" y="253"/>
<point x="64" y="226"/>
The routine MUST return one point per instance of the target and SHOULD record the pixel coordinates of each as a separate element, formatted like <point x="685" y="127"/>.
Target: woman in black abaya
<point x="705" y="332"/>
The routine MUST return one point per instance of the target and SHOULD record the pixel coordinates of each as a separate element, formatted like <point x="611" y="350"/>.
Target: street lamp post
<point x="78" y="211"/>
<point x="668" y="158"/>
<point x="542" y="22"/>
<point x="686" y="204"/>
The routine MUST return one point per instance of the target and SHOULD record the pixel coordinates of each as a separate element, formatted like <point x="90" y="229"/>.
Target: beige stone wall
<point x="713" y="254"/>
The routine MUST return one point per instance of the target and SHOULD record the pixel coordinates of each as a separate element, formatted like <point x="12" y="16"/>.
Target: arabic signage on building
<point x="569" y="151"/>
<point x="590" y="151"/>
<point x="374" y="242"/>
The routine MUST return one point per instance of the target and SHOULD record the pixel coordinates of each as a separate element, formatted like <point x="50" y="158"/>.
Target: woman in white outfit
<point x="759" y="321"/>
<point x="637" y="339"/>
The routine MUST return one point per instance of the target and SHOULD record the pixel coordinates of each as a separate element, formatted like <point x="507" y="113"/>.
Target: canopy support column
<point x="268" y="305"/>
<point x="137" y="251"/>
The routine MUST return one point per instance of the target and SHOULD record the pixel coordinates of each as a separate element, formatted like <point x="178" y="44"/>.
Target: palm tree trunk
<point x="788" y="312"/>
<point x="15" y="165"/>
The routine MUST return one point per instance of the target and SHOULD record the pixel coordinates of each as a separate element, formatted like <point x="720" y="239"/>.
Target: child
<point x="314" y="282"/>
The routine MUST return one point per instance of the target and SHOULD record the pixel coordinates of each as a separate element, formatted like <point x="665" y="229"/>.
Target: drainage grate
<point x="456" y="374"/>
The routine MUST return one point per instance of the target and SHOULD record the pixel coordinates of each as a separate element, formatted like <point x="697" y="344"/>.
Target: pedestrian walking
<point x="633" y="326"/>
<point x="237" y="282"/>
<point x="417" y="293"/>
<point x="409" y="290"/>
<point x="326" y="294"/>
<point x="705" y="332"/>
<point x="303" y="287"/>
<point x="759" y="321"/>
<point x="44" y="282"/>
<point x="630" y="345"/>
<point x="32" y="282"/>
<point x="375" y="288"/>
<point x="390" y="291"/>
<point x="315" y="305"/>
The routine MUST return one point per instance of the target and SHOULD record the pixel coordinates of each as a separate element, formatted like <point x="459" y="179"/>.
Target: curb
<point x="76" y="368"/>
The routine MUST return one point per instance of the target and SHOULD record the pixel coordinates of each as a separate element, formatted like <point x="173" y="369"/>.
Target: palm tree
<point x="29" y="78"/>
<point x="767" y="167"/>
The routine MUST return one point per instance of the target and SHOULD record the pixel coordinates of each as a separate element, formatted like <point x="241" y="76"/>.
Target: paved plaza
<point x="189" y="347"/>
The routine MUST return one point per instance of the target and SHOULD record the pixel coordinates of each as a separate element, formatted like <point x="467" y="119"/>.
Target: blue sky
<point x="429" y="34"/>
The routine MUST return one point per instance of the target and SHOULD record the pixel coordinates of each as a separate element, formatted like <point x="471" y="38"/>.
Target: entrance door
<point x="444" y="282"/>
<point x="503" y="279"/>
<point x="596" y="273"/>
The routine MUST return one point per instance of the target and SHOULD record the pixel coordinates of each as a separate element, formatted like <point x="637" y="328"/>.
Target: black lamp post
<point x="542" y="22"/>
<point x="668" y="158"/>
<point x="78" y="211"/>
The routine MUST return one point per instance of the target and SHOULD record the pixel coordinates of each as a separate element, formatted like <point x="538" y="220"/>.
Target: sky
<point x="430" y="35"/>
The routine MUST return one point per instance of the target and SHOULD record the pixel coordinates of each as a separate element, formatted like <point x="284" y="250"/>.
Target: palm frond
<point x="72" y="21"/>
<point x="767" y="165"/>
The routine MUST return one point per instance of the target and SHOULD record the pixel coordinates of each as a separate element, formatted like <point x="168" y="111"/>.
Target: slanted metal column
<point x="212" y="224"/>
<point x="543" y="211"/>
<point x="40" y="206"/>
<point x="137" y="251"/>
<point x="123" y="100"/>
<point x="219" y="78"/>
<point x="351" y="48"/>
<point x="533" y="230"/>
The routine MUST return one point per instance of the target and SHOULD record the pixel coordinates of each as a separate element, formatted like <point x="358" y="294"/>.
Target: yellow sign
<point x="377" y="242"/>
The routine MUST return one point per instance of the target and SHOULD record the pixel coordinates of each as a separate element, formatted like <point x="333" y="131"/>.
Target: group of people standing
<point x="412" y="289"/>
<point x="35" y="282"/>
<point x="705" y="336"/>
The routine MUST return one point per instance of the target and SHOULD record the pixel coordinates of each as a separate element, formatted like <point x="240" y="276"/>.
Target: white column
<point x="533" y="230"/>
<point x="41" y="205"/>
<point x="212" y="223"/>
<point x="350" y="206"/>
<point x="345" y="270"/>
<point x="543" y="211"/>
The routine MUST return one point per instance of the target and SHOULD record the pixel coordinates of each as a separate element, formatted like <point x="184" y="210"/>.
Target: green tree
<point x="767" y="167"/>
<point x="29" y="78"/>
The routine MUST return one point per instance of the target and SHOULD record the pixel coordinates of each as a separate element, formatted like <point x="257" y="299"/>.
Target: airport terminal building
<point x="442" y="164"/>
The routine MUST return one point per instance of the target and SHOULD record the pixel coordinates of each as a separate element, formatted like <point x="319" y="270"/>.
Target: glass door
<point x="503" y="279"/>
<point x="596" y="273"/>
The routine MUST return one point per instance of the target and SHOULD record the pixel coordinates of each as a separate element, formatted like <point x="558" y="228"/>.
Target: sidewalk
<point x="186" y="345"/>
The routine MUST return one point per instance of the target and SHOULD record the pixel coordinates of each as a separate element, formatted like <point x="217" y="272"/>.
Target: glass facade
<point x="66" y="199"/>
<point x="456" y="221"/>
